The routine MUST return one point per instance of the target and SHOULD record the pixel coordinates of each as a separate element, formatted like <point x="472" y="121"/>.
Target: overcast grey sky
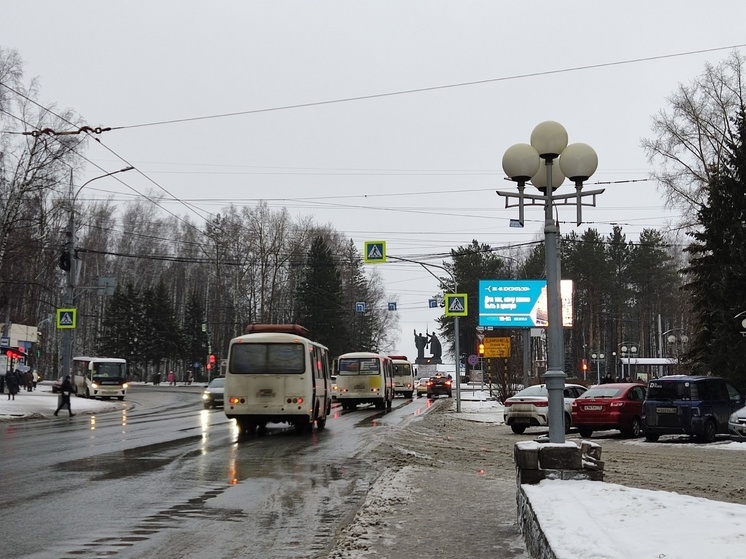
<point x="417" y="169"/>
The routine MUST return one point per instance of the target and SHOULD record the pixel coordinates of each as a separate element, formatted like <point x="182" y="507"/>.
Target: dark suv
<point x="689" y="405"/>
<point x="438" y="385"/>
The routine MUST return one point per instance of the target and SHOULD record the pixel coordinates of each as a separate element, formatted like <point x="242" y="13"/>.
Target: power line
<point x="426" y="89"/>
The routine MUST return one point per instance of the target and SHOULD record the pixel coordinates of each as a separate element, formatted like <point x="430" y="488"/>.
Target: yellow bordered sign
<point x="67" y="319"/>
<point x="457" y="304"/>
<point x="374" y="252"/>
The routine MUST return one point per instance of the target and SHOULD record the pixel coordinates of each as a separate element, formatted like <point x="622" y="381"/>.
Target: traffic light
<point x="211" y="361"/>
<point x="481" y="349"/>
<point x="584" y="365"/>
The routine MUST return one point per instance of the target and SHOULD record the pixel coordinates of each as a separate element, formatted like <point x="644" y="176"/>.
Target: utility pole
<point x="69" y="263"/>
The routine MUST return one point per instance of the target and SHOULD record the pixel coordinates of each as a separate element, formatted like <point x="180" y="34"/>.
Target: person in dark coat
<point x="65" y="391"/>
<point x="12" y="381"/>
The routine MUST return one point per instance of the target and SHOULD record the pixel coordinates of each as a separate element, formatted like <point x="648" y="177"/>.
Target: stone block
<point x="560" y="457"/>
<point x="526" y="457"/>
<point x="531" y="477"/>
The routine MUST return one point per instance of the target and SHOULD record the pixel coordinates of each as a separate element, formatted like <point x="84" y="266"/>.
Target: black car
<point x="689" y="405"/>
<point x="212" y="397"/>
<point x="439" y="385"/>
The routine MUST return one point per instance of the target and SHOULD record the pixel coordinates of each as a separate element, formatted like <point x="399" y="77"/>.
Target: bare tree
<point x="692" y="138"/>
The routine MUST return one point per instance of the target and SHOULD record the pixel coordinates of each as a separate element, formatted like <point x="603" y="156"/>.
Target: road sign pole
<point x="458" y="365"/>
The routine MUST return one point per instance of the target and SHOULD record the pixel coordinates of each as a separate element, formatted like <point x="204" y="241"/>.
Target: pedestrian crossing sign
<point x="456" y="304"/>
<point x="67" y="319"/>
<point x="375" y="252"/>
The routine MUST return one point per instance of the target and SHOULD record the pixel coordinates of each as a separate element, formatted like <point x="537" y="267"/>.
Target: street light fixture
<point x="521" y="163"/>
<point x="70" y="266"/>
<point x="629" y="350"/>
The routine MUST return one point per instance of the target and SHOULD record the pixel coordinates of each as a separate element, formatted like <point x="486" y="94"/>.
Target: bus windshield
<point x="109" y="370"/>
<point x="359" y="366"/>
<point x="402" y="369"/>
<point x="259" y="359"/>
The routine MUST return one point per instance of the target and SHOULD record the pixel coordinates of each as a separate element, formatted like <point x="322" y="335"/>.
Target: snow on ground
<point x="592" y="520"/>
<point x="42" y="403"/>
<point x="582" y="519"/>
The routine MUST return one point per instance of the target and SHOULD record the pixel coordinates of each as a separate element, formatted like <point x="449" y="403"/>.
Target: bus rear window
<point x="262" y="359"/>
<point x="359" y="366"/>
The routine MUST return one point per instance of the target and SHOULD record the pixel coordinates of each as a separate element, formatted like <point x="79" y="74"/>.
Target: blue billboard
<point x="520" y="303"/>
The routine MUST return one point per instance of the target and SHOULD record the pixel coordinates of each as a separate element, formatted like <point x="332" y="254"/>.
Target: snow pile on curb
<point x="371" y="521"/>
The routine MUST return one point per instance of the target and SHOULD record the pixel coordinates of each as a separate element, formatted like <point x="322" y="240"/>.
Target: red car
<point x="610" y="406"/>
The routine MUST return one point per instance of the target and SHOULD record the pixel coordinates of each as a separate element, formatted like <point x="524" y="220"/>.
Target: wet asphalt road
<point x="163" y="478"/>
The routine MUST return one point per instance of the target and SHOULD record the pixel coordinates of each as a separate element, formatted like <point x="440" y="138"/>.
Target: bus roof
<point x="100" y="359"/>
<point x="399" y="357"/>
<point x="278" y="329"/>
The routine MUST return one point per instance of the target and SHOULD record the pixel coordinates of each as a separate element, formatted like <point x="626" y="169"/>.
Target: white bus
<point x="276" y="374"/>
<point x="100" y="377"/>
<point x="365" y="378"/>
<point x="403" y="376"/>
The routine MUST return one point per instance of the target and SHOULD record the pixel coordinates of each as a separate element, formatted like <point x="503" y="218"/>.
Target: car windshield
<point x="538" y="390"/>
<point x="217" y="383"/>
<point x="602" y="392"/>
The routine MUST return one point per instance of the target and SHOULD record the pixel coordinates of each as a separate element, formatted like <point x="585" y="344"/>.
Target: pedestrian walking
<point x="66" y="390"/>
<point x="12" y="382"/>
<point x="172" y="378"/>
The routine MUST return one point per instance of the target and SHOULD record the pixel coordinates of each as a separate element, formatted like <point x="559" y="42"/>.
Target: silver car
<point x="737" y="425"/>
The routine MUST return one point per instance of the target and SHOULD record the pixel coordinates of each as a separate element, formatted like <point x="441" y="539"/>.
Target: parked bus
<point x="365" y="378"/>
<point x="100" y="377"/>
<point x="276" y="374"/>
<point x="403" y="376"/>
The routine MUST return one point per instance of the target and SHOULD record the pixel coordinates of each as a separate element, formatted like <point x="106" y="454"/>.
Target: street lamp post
<point x="598" y="357"/>
<point x="628" y="350"/>
<point x="69" y="264"/>
<point x="456" y="334"/>
<point x="674" y="341"/>
<point x="521" y="162"/>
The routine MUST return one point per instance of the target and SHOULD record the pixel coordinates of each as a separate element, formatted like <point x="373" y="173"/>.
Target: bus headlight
<point x="125" y="385"/>
<point x="94" y="385"/>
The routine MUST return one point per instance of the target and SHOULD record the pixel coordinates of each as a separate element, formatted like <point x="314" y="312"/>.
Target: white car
<point x="530" y="407"/>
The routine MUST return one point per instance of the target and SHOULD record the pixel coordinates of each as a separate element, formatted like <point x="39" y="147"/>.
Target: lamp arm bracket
<point x="535" y="199"/>
<point x="572" y="199"/>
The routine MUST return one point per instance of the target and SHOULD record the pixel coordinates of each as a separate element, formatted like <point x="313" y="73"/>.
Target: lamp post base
<point x="555" y="381"/>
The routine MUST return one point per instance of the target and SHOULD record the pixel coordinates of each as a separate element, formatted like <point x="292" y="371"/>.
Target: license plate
<point x="593" y="408"/>
<point x="665" y="410"/>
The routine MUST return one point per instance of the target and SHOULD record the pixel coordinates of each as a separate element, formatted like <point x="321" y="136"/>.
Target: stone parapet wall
<point x="536" y="461"/>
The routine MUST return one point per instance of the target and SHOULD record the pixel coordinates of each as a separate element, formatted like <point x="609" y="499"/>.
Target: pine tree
<point x="717" y="270"/>
<point x="320" y="298"/>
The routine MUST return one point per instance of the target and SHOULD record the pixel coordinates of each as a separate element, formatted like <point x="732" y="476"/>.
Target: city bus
<point x="100" y="377"/>
<point x="403" y="376"/>
<point x="276" y="374"/>
<point x="365" y="378"/>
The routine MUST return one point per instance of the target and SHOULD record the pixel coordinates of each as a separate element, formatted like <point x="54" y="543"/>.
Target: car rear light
<point x="448" y="383"/>
<point x="616" y="404"/>
<point x="541" y="404"/>
<point x="508" y="404"/>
